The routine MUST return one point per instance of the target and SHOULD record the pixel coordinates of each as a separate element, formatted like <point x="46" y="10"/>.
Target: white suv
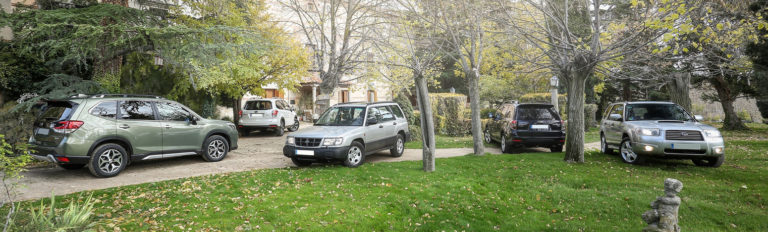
<point x="267" y="114"/>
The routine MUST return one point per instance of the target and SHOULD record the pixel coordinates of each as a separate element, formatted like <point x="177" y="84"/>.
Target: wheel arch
<point x="221" y="133"/>
<point x="112" y="139"/>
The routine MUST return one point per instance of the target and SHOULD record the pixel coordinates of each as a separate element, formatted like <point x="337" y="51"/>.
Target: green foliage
<point x="745" y="116"/>
<point x="110" y="82"/>
<point x="448" y="110"/>
<point x="546" y="98"/>
<point x="58" y="86"/>
<point x="16" y="124"/>
<point x="416" y="134"/>
<point x="75" y="217"/>
<point x="487" y="112"/>
<point x="407" y="107"/>
<point x="13" y="159"/>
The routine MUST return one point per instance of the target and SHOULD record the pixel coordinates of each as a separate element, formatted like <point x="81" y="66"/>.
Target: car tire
<point x="355" y="155"/>
<point x="279" y="130"/>
<point x="556" y="148"/>
<point x="300" y="163"/>
<point x="487" y="135"/>
<point x="215" y="148"/>
<point x="399" y="147"/>
<point x="710" y="162"/>
<point x="71" y="166"/>
<point x="628" y="155"/>
<point x="504" y="146"/>
<point x="604" y="146"/>
<point x="108" y="160"/>
<point x="295" y="125"/>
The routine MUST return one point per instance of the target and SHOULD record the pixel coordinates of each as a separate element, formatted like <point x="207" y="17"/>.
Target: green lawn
<point x="522" y="192"/>
<point x="592" y="135"/>
<point x="442" y="141"/>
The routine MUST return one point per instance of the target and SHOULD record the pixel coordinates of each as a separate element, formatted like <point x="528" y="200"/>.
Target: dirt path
<point x="258" y="151"/>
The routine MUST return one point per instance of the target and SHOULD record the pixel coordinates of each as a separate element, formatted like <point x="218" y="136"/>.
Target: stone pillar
<point x="663" y="214"/>
<point x="314" y="98"/>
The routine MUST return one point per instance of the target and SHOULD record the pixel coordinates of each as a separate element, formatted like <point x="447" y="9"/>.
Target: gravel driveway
<point x="257" y="151"/>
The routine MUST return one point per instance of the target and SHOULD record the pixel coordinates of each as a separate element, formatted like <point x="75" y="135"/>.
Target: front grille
<point x="687" y="135"/>
<point x="684" y="151"/>
<point x="307" y="142"/>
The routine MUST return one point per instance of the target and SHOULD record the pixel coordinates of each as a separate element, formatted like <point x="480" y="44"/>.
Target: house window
<point x="344" y="96"/>
<point x="272" y="93"/>
<point x="372" y="96"/>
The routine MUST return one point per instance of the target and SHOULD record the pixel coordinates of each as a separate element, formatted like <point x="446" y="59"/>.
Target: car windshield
<point x="639" y="112"/>
<point x="342" y="116"/>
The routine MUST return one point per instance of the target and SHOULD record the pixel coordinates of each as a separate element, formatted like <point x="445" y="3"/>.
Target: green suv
<point x="107" y="132"/>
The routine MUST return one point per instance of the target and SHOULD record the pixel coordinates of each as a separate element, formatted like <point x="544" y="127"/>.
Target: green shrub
<point x="75" y="217"/>
<point x="415" y="132"/>
<point x="485" y="113"/>
<point x="762" y="105"/>
<point x="744" y="116"/>
<point x="589" y="116"/>
<point x="416" y="118"/>
<point x="407" y="107"/>
<point x="449" y="110"/>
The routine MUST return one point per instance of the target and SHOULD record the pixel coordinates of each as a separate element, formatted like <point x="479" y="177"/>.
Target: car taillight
<point x="274" y="113"/>
<point x="66" y="127"/>
<point x="513" y="125"/>
<point x="240" y="113"/>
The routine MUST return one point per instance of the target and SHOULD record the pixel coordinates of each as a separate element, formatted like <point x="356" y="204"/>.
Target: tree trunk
<point x="427" y="124"/>
<point x="678" y="89"/>
<point x="474" y="105"/>
<point x="236" y="109"/>
<point x="726" y="98"/>
<point x="626" y="93"/>
<point x="574" y="144"/>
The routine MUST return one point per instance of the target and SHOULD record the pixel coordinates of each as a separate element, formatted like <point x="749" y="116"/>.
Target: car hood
<point x="326" y="131"/>
<point x="670" y="125"/>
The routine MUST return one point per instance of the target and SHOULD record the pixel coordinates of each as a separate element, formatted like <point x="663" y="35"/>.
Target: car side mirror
<point x="191" y="120"/>
<point x="293" y="108"/>
<point x="615" y="117"/>
<point x="698" y="117"/>
<point x="372" y="121"/>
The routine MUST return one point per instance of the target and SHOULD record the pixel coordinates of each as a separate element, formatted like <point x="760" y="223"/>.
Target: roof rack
<point x="116" y="95"/>
<point x="365" y="103"/>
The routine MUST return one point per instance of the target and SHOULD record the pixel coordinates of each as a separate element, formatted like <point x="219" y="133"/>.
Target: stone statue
<point x="663" y="214"/>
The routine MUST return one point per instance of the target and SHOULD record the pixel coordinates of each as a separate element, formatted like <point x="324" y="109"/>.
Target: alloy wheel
<point x="216" y="149"/>
<point x="626" y="152"/>
<point x="487" y="136"/>
<point x="400" y="145"/>
<point x="503" y="143"/>
<point x="110" y="161"/>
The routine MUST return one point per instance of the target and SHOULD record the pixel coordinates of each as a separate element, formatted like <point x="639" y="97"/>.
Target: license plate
<point x="257" y="115"/>
<point x="305" y="152"/>
<point x="686" y="146"/>
<point x="43" y="131"/>
<point x="540" y="127"/>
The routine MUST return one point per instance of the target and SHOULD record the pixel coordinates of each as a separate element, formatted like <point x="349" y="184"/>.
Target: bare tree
<point x="570" y="34"/>
<point x="406" y="45"/>
<point x="460" y="35"/>
<point x="339" y="32"/>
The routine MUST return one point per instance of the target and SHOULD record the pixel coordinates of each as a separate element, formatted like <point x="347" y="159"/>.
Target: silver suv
<point x="349" y="132"/>
<point x="659" y="129"/>
<point x="267" y="114"/>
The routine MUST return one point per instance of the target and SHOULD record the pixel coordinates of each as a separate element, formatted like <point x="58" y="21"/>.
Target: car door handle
<point x="395" y="123"/>
<point x="167" y="126"/>
<point x="125" y="126"/>
<point x="381" y="126"/>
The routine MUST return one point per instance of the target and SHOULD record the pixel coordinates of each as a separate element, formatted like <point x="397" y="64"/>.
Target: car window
<point x="107" y="109"/>
<point x="258" y="105"/>
<point x="536" y="113"/>
<point x="342" y="116"/>
<point x="280" y="105"/>
<point x="385" y="114"/>
<point x="397" y="111"/>
<point x="509" y="111"/>
<point x="618" y="109"/>
<point x="57" y="111"/>
<point x="172" y="111"/>
<point x="286" y="105"/>
<point x="136" y="110"/>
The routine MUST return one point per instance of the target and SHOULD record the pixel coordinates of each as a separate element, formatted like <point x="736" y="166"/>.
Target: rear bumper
<point x="537" y="141"/>
<point x="258" y="123"/>
<point x="50" y="155"/>
<point x="321" y="153"/>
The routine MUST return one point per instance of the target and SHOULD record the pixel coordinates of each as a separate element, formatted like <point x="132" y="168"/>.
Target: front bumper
<point x="320" y="153"/>
<point x="660" y="147"/>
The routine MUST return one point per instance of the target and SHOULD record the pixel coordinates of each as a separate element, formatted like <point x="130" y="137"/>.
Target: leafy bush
<point x="589" y="116"/>
<point x="449" y="110"/>
<point x="407" y="107"/>
<point x="545" y="98"/>
<point x="12" y="163"/>
<point x="75" y="217"/>
<point x="415" y="132"/>
<point x="485" y="113"/>
<point x="745" y="116"/>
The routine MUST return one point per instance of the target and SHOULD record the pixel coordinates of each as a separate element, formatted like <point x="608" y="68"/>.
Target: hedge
<point x="449" y="113"/>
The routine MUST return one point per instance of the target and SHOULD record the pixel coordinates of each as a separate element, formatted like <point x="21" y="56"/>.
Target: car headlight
<point x="232" y="125"/>
<point x="712" y="133"/>
<point x="650" y="131"/>
<point x="290" y="140"/>
<point x="332" y="141"/>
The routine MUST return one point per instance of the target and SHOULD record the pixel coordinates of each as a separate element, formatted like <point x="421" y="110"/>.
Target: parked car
<point x="526" y="125"/>
<point x="349" y="132"/>
<point x="107" y="132"/>
<point x="268" y="114"/>
<point x="659" y="129"/>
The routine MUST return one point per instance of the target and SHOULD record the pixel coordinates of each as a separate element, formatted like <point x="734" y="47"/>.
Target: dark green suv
<point x="107" y="132"/>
